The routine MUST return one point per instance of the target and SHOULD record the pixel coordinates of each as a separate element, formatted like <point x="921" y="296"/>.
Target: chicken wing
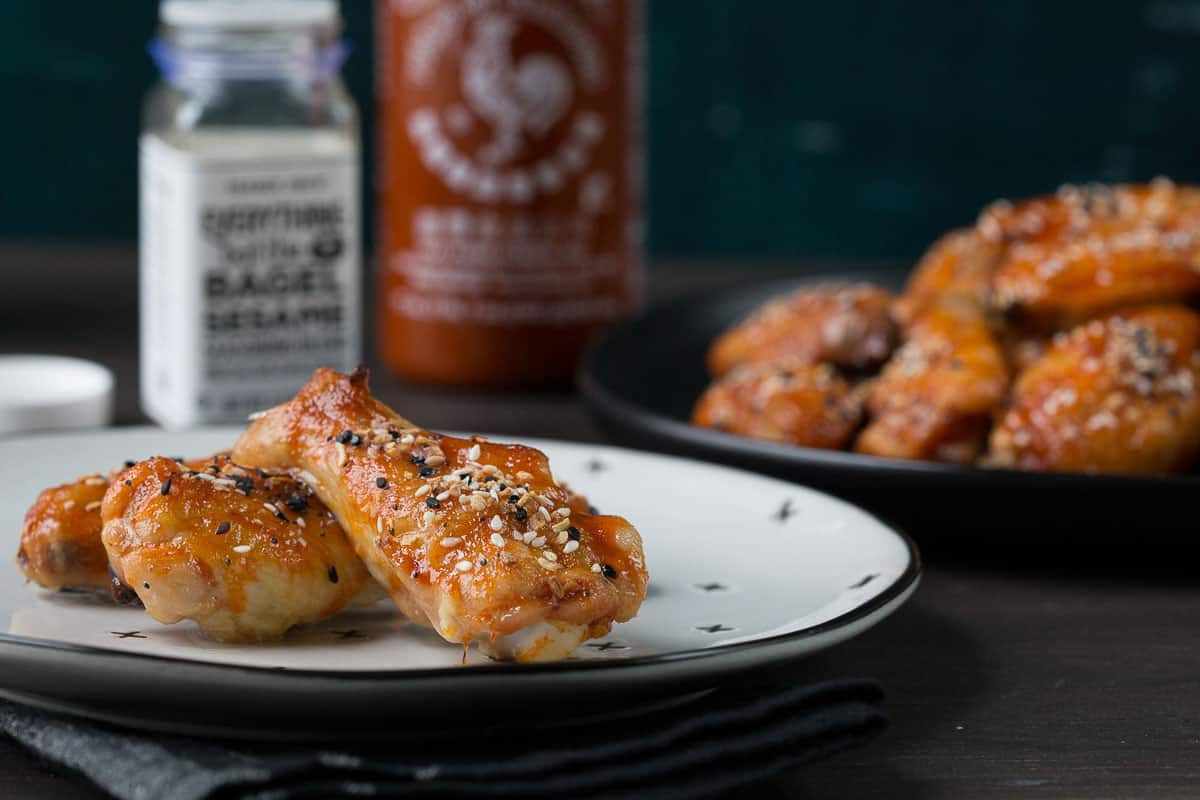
<point x="1087" y="251"/>
<point x="791" y="402"/>
<point x="935" y="398"/>
<point x="960" y="264"/>
<point x="473" y="538"/>
<point x="848" y="325"/>
<point x="1115" y="395"/>
<point x="60" y="541"/>
<point x="244" y="553"/>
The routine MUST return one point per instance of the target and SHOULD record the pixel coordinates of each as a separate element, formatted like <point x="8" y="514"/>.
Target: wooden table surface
<point x="1032" y="684"/>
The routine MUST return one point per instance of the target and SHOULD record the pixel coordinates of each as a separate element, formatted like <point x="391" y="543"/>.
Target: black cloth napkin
<point x="702" y="747"/>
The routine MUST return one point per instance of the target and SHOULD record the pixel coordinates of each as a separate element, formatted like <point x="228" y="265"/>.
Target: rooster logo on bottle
<point x="528" y="96"/>
<point x="523" y="124"/>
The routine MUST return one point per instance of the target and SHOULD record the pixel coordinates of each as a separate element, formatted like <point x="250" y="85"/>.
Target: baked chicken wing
<point x="60" y="541"/>
<point x="244" y="553"/>
<point x="1089" y="250"/>
<point x="848" y="325"/>
<point x="792" y="402"/>
<point x="473" y="538"/>
<point x="960" y="264"/>
<point x="934" y="400"/>
<point x="1115" y="395"/>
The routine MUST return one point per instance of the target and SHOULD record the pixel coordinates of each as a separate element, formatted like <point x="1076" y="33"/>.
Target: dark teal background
<point x="777" y="128"/>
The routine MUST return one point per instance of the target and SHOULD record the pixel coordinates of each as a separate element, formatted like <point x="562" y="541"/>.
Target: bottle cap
<point x="46" y="392"/>
<point x="248" y="13"/>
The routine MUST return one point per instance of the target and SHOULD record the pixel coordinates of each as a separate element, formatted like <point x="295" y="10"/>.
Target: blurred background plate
<point x="642" y="378"/>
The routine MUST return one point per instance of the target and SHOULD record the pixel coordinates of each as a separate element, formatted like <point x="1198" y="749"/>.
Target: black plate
<point x="641" y="379"/>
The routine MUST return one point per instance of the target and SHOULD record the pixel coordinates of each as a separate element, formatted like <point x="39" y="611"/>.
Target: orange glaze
<point x="794" y="402"/>
<point x="244" y="553"/>
<point x="960" y="264"/>
<point x="60" y="540"/>
<point x="847" y="325"/>
<point x="432" y="537"/>
<point x="1114" y="395"/>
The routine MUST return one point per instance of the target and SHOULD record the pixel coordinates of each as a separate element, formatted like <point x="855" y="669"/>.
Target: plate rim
<point x="904" y="583"/>
<point x="615" y="409"/>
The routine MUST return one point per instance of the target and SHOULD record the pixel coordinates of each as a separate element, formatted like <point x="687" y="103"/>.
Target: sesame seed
<point x="550" y="555"/>
<point x="562" y="512"/>
<point x="524" y="476"/>
<point x="497" y="540"/>
<point x="381" y="482"/>
<point x="496" y="523"/>
<point x="300" y="522"/>
<point x="333" y="576"/>
<point x="95" y="481"/>
<point x="595" y="567"/>
<point x="608" y="571"/>
<point x="521" y="515"/>
<point x="443" y="496"/>
<point x="561" y="525"/>
<point x="573" y="533"/>
<point x="242" y="548"/>
<point x="435" y="461"/>
<point x="464" y="565"/>
<point x="71" y="503"/>
<point x="406" y="439"/>
<point x="92" y="506"/>
<point x="223" y="529"/>
<point x="425" y="472"/>
<point x="166" y="487"/>
<point x="539" y="541"/>
<point x="544" y="564"/>
<point x="344" y="437"/>
<point x="428" y="518"/>
<point x="433" y="502"/>
<point x="529" y="536"/>
<point x="571" y="546"/>
<point x="422" y="491"/>
<point x="544" y="514"/>
<point x="451" y="541"/>
<point x="561" y="538"/>
<point x="473" y="453"/>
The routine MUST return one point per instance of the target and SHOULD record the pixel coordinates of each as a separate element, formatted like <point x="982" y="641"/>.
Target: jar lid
<point x="45" y="392"/>
<point x="248" y="13"/>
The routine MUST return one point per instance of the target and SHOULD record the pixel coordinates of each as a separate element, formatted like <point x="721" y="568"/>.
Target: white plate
<point x="746" y="572"/>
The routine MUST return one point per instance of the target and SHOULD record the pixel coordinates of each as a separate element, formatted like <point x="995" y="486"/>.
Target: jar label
<point x="249" y="270"/>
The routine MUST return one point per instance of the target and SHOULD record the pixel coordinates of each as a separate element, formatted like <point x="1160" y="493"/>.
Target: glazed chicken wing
<point x="848" y="325"/>
<point x="244" y="553"/>
<point x="1090" y="250"/>
<point x="793" y="402"/>
<point x="960" y="264"/>
<point x="473" y="538"/>
<point x="935" y="398"/>
<point x="60" y="540"/>
<point x="1114" y="395"/>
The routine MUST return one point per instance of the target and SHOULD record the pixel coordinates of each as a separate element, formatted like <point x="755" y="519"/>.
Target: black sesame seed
<point x="177" y="459"/>
<point x="274" y="540"/>
<point x="228" y="562"/>
<point x="483" y="562"/>
<point x="416" y="573"/>
<point x="512" y="498"/>
<point x="333" y="578"/>
<point x="417" y="459"/>
<point x="425" y="472"/>
<point x="322" y="534"/>
<point x="283" y="517"/>
<point x="129" y="464"/>
<point x="593" y="510"/>
<point x="433" y="502"/>
<point x="521" y="515"/>
<point x="381" y="483"/>
<point x="244" y="483"/>
<point x="490" y="478"/>
<point x="297" y="502"/>
<point x="344" y="437"/>
<point x="223" y="529"/>
<point x="608" y="571"/>
<point x="391" y="531"/>
<point x="128" y="482"/>
<point x="166" y="487"/>
<point x="355" y="440"/>
<point x="573" y="533"/>
<point x="145" y="584"/>
<point x="394" y="434"/>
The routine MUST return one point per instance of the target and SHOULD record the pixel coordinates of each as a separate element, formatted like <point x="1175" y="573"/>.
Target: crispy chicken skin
<point x="960" y="264"/>
<point x="935" y="398"/>
<point x="473" y="538"/>
<point x="794" y="402"/>
<point x="848" y="325"/>
<point x="60" y="540"/>
<point x="1088" y="250"/>
<point x="245" y="554"/>
<point x="1114" y="395"/>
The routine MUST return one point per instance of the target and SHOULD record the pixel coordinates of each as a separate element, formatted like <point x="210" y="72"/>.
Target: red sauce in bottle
<point x="509" y="184"/>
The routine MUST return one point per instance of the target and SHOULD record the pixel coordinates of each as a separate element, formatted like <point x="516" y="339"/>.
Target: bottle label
<point x="249" y="275"/>
<point x="511" y="164"/>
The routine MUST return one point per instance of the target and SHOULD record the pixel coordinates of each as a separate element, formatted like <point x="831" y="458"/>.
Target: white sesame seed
<point x="341" y="448"/>
<point x="550" y="555"/>
<point x="496" y="523"/>
<point x="544" y="564"/>
<point x="596" y="567"/>
<point x="257" y="415"/>
<point x="95" y="481"/>
<point x="69" y="504"/>
<point x="242" y="548"/>
<point x="497" y="540"/>
<point x="379" y="524"/>
<point x="92" y="506"/>
<point x="443" y="496"/>
<point x="562" y="512"/>
<point x="464" y="565"/>
<point x="473" y="453"/>
<point x="300" y="521"/>
<point x="517" y="536"/>
<point x="424" y="490"/>
<point x="435" y="461"/>
<point x="571" y="546"/>
<point x="271" y="507"/>
<point x="451" y="541"/>
<point x="562" y="537"/>
<point x="428" y="517"/>
<point x="406" y="439"/>
<point x="539" y="541"/>
<point x="561" y="525"/>
<point x="522" y="475"/>
<point x="529" y="536"/>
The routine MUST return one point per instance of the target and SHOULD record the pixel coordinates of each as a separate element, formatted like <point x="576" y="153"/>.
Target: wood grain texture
<point x="1001" y="683"/>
